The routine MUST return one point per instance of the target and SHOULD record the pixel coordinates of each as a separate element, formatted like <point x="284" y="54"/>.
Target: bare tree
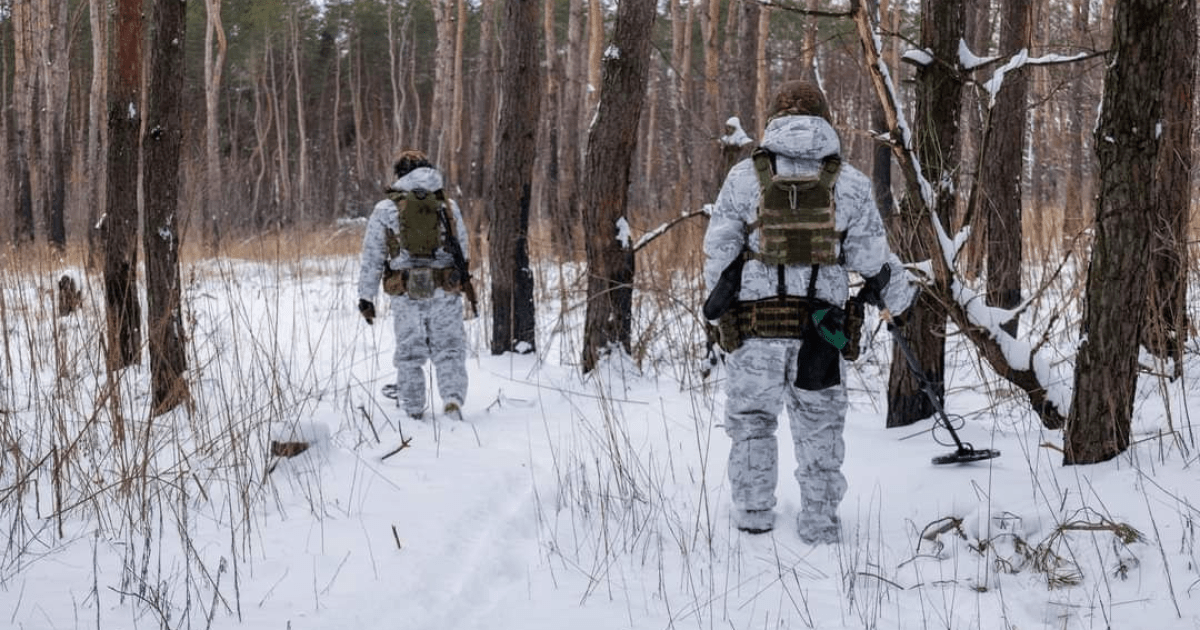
<point x="123" y="311"/>
<point x="611" y="146"/>
<point x="213" y="68"/>
<point x="98" y="18"/>
<point x="1127" y="144"/>
<point x="999" y="184"/>
<point x="54" y="71"/>
<point x="160" y="236"/>
<point x="1073" y="221"/>
<point x="24" y="75"/>
<point x="513" y="316"/>
<point x="939" y="102"/>
<point x="1166" y="329"/>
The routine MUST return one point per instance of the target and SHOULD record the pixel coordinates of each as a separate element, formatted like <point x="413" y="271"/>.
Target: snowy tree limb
<point x="1016" y="362"/>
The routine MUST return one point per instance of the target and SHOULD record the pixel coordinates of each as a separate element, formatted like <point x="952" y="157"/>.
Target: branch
<point x="648" y="237"/>
<point x="967" y="312"/>
<point x="801" y="11"/>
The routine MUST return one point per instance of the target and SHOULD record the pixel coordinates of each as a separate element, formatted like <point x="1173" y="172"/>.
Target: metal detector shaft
<point x="926" y="386"/>
<point x="965" y="452"/>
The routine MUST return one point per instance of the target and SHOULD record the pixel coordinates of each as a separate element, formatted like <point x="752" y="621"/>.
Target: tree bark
<point x="483" y="125"/>
<point x="55" y="71"/>
<point x="95" y="161"/>
<point x="513" y="316"/>
<point x="1000" y="179"/>
<point x="1166" y="330"/>
<point x="213" y="67"/>
<point x="160" y="235"/>
<point x="611" y="146"/>
<point x="568" y="223"/>
<point x="24" y="72"/>
<point x="1127" y="145"/>
<point x="122" y="309"/>
<point x="1073" y="207"/>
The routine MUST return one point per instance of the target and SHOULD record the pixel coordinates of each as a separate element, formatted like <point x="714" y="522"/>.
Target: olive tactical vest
<point x="420" y="231"/>
<point x="796" y="214"/>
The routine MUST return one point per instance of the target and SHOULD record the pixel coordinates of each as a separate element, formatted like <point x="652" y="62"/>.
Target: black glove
<point x="367" y="308"/>
<point x="872" y="291"/>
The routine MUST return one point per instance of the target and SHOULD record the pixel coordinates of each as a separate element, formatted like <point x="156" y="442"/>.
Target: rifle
<point x="460" y="261"/>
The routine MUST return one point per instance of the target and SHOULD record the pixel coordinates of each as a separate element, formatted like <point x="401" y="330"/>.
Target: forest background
<point x="313" y="102"/>
<point x="531" y="107"/>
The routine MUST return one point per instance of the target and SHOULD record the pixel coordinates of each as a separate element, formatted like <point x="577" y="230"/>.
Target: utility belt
<point x="419" y="283"/>
<point x="825" y="331"/>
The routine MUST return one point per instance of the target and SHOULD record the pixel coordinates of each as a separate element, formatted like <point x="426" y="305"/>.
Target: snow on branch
<point x="1017" y="361"/>
<point x="662" y="229"/>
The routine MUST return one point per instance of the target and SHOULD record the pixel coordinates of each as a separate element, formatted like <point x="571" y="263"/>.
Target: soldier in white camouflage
<point x="425" y="290"/>
<point x="777" y="357"/>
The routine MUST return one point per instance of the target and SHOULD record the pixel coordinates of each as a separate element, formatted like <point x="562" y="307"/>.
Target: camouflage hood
<point x="424" y="178"/>
<point x="805" y="139"/>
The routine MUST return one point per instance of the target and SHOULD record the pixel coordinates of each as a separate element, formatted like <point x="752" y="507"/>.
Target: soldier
<point x="416" y="244"/>
<point x="795" y="219"/>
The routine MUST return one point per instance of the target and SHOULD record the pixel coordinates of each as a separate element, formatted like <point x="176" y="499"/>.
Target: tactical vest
<point x="796" y="214"/>
<point x="420" y="224"/>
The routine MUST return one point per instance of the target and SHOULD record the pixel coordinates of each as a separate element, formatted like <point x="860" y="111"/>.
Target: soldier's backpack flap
<point x="796" y="216"/>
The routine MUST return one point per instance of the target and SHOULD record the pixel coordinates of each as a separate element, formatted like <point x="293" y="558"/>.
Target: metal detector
<point x="966" y="452"/>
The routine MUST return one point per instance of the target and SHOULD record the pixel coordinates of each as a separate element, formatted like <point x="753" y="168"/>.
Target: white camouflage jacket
<point x="800" y="143"/>
<point x="385" y="216"/>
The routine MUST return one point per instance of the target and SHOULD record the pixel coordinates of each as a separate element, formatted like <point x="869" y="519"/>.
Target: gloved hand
<point x="896" y="322"/>
<point x="367" y="309"/>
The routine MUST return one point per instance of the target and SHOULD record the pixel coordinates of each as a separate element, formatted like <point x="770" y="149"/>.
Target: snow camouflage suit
<point x="428" y="328"/>
<point x="762" y="371"/>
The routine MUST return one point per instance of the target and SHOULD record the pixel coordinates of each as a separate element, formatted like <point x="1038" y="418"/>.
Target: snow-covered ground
<point x="560" y="502"/>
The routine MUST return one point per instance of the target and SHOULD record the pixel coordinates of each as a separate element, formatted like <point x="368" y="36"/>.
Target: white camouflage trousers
<point x="761" y="373"/>
<point x="429" y="329"/>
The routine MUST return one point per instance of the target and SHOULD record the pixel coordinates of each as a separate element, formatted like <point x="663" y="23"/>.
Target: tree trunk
<point x="939" y="102"/>
<point x="95" y="161"/>
<point x="483" y="125"/>
<point x="122" y="309"/>
<point x="611" y="146"/>
<point x="443" y="81"/>
<point x="595" y="47"/>
<point x="552" y="135"/>
<point x="710" y="19"/>
<point x="762" y="75"/>
<point x="1000" y="179"/>
<point x="160" y="235"/>
<point x="568" y="223"/>
<point x="1127" y="144"/>
<point x="24" y="73"/>
<point x="55" y="72"/>
<point x="513" y="315"/>
<point x="457" y="122"/>
<point x="1073" y="208"/>
<point x="1166" y="330"/>
<point x="301" y="196"/>
<point x="745" y="66"/>
<point x="213" y="185"/>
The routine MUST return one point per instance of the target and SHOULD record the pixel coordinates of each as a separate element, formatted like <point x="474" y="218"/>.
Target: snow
<point x="968" y="60"/>
<point x="560" y="502"/>
<point x="992" y="86"/>
<point x="920" y="57"/>
<point x="612" y="52"/>
<point x="624" y="234"/>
